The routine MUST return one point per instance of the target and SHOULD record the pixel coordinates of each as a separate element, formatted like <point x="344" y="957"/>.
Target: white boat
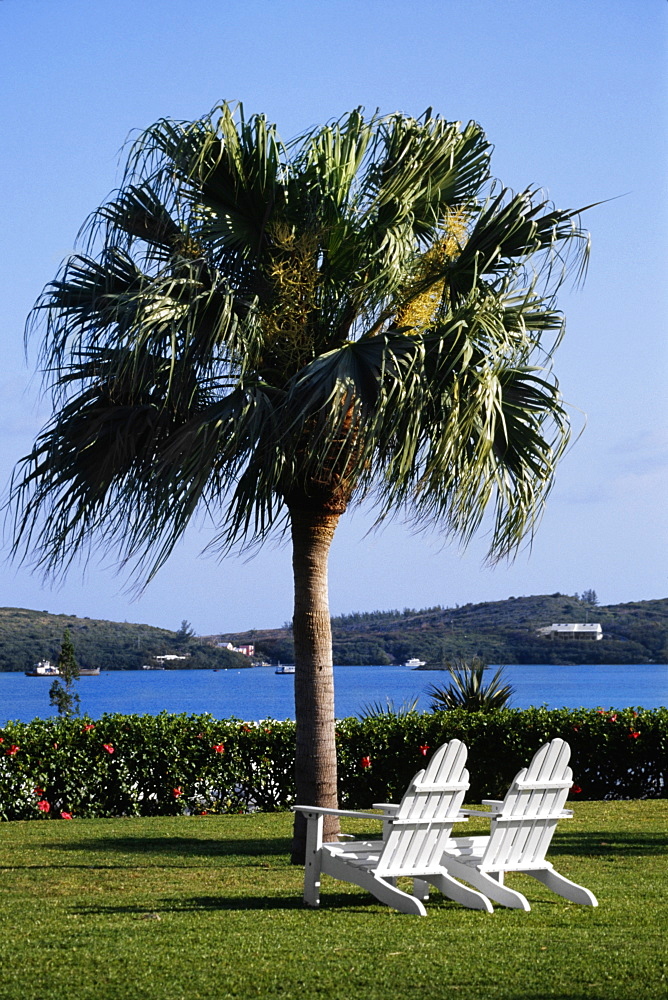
<point x="46" y="669"/>
<point x="414" y="662"/>
<point x="43" y="669"/>
<point x="284" y="669"/>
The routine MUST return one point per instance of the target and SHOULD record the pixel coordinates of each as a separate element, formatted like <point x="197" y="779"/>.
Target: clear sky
<point x="574" y="96"/>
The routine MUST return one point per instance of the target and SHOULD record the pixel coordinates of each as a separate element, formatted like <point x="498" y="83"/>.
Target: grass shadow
<point x="595" y="843"/>
<point x="195" y="904"/>
<point x="179" y="846"/>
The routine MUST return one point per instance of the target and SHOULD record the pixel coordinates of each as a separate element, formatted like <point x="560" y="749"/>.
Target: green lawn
<point x="209" y="907"/>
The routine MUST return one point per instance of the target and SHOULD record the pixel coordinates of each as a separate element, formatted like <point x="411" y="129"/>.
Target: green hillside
<point x="498" y="631"/>
<point x="28" y="636"/>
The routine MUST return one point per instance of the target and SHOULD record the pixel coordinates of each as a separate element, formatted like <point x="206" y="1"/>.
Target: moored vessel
<point x="46" y="669"/>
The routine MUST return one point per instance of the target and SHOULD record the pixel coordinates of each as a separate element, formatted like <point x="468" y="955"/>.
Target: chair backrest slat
<point x="423" y="823"/>
<point x="523" y="828"/>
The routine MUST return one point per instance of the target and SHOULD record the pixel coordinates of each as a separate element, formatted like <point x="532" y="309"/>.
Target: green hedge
<point x="130" y="765"/>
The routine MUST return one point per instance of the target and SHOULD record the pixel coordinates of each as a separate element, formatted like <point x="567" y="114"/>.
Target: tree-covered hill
<point x="28" y="636"/>
<point x="499" y="631"/>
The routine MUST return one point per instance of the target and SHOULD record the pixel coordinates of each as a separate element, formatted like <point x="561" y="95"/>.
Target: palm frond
<point x="467" y="688"/>
<point x="388" y="709"/>
<point x="239" y="334"/>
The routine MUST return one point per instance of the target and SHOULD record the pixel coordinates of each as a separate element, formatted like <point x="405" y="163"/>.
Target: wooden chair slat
<point x="522" y="827"/>
<point x="415" y="837"/>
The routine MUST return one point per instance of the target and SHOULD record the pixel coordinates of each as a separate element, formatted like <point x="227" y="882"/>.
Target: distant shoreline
<point x="390" y="666"/>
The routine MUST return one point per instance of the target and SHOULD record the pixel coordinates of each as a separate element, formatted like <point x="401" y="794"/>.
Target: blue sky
<point x="574" y="96"/>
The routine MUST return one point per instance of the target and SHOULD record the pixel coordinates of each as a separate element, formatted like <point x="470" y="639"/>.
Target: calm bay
<point x="259" y="693"/>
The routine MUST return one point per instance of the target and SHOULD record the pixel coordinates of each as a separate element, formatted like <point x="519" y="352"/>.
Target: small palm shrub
<point x="376" y="709"/>
<point x="468" y="690"/>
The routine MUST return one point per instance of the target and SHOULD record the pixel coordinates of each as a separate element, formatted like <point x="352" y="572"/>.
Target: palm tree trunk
<point x="315" y="756"/>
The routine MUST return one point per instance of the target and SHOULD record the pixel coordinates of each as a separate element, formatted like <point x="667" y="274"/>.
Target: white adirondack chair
<point x="522" y="826"/>
<point x="414" y="839"/>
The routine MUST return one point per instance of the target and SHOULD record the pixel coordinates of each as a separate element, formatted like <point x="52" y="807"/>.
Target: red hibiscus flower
<point x="177" y="792"/>
<point x="633" y="735"/>
<point x="2" y="739"/>
<point x="108" y="747"/>
<point x="38" y="791"/>
<point x="13" y="750"/>
<point x="613" y="718"/>
<point x="65" y="815"/>
<point x="575" y="789"/>
<point x="89" y="725"/>
<point x="219" y="747"/>
<point x="423" y="750"/>
<point x="365" y="762"/>
<point x="576" y="729"/>
<point x="44" y="806"/>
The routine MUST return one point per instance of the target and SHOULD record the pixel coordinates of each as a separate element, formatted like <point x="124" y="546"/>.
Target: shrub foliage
<point x="131" y="765"/>
<point x="467" y="688"/>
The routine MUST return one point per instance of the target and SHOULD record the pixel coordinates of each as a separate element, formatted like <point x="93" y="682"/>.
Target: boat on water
<point x="414" y="662"/>
<point x="283" y="668"/>
<point x="46" y="669"/>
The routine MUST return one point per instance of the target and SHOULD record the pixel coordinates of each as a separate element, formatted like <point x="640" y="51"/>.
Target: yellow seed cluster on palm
<point x="420" y="304"/>
<point x="186" y="245"/>
<point x="292" y="272"/>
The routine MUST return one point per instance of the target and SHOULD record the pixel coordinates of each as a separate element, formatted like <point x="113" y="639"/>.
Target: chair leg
<point x="396" y="898"/>
<point x="420" y="889"/>
<point x="379" y="886"/>
<point x="313" y="860"/>
<point x="564" y="887"/>
<point x="311" y="887"/>
<point x="487" y="884"/>
<point x="460" y="893"/>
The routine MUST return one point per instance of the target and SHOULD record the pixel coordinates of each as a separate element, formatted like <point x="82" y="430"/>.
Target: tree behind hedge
<point x="61" y="693"/>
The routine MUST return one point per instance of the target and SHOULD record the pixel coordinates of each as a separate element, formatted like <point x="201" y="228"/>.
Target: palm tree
<point x="271" y="332"/>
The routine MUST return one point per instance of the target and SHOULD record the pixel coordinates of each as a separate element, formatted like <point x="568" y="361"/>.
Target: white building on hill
<point x="248" y="649"/>
<point x="572" y="631"/>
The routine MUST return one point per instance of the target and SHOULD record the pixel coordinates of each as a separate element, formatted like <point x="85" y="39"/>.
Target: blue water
<point x="260" y="693"/>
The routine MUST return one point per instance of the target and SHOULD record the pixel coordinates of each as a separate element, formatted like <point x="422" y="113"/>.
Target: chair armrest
<point x="564" y="814"/>
<point x="388" y="808"/>
<point x="496" y="806"/>
<point x="324" y="811"/>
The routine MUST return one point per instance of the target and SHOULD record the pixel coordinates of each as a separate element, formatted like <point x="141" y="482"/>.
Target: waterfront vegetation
<point x="132" y="765"/>
<point x="209" y="908"/>
<point x="28" y="636"/>
<point x="496" y="631"/>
